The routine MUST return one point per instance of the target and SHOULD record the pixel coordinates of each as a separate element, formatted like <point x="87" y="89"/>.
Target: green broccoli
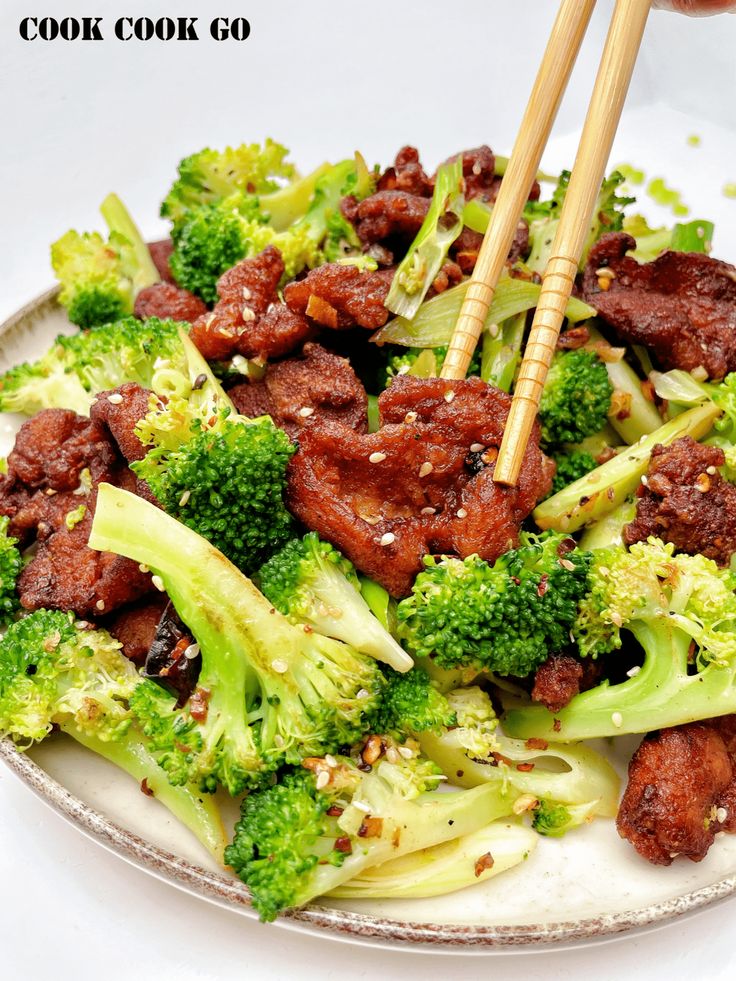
<point x="316" y="830"/>
<point x="212" y="238"/>
<point x="310" y="582"/>
<point x="54" y="674"/>
<point x="571" y="465"/>
<point x="271" y="692"/>
<point x="576" y="398"/>
<point x="411" y="703"/>
<point x="420" y="362"/>
<point x="681" y="609"/>
<point x="550" y="819"/>
<point x="219" y="473"/>
<point x="10" y="565"/>
<point x="100" y="280"/>
<point x="70" y="374"/>
<point x="504" y="617"/>
<point x="694" y="236"/>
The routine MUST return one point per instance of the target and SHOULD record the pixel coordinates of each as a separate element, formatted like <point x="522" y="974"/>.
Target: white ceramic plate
<point x="588" y="886"/>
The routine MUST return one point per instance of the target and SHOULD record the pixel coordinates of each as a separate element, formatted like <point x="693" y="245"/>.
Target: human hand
<point x="697" y="8"/>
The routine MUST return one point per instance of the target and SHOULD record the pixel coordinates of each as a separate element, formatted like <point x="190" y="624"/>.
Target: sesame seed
<point x="158" y="583"/>
<point x="100" y="604"/>
<point x="477" y="168"/>
<point x="306" y="411"/>
<point x="703" y="483"/>
<point x="617" y="719"/>
<point x="363" y="693"/>
<point x="323" y="778"/>
<point x="700" y="373"/>
<point x="524" y="803"/>
<point x="406" y="752"/>
<point x="644" y="479"/>
<point x="410" y="417"/>
<point x="388" y="539"/>
<point x="280" y="666"/>
<point x="81" y="624"/>
<point x="462" y="513"/>
<point x="361" y="806"/>
<point x="376" y="457"/>
<point x="116" y="398"/>
<point x="616" y="619"/>
<point x="429" y="510"/>
<point x="330" y="760"/>
<point x="425" y="469"/>
<point x="404" y="369"/>
<point x="605" y="272"/>
<point x="278" y="740"/>
<point x="449" y="396"/>
<point x="143" y="568"/>
<point x="721" y="814"/>
<point x="50" y="492"/>
<point x="494" y="330"/>
<point x="184" y="498"/>
<point x="633" y="672"/>
<point x="711" y="471"/>
<point x="567" y="564"/>
<point x="247" y="314"/>
<point x="476" y="447"/>
<point x="246" y="293"/>
<point x="391" y="755"/>
<point x="191" y="652"/>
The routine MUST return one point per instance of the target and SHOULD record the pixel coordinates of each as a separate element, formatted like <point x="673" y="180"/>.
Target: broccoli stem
<point x="502" y="354"/>
<point x="603" y="489"/>
<point x="608" y="531"/>
<point x="196" y="811"/>
<point x="641" y="416"/>
<point x="118" y="220"/>
<point x="291" y="202"/>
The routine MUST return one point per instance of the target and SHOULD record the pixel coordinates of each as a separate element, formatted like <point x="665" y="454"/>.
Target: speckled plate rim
<point x="338" y="924"/>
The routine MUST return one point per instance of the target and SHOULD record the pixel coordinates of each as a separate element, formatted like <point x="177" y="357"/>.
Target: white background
<point x="325" y="77"/>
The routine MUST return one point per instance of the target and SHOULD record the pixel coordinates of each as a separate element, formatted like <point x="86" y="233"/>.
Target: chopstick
<point x="554" y="72"/>
<point x="604" y="112"/>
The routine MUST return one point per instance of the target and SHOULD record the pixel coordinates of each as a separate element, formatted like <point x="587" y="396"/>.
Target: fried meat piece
<point x="121" y="409"/>
<point x="387" y="215"/>
<point x="678" y="779"/>
<point x="161" y="253"/>
<point x="407" y="174"/>
<point x="339" y="296"/>
<point x="135" y="626"/>
<point x="301" y="391"/>
<point x="479" y="173"/>
<point x="467" y="245"/>
<point x="682" y="305"/>
<point x="167" y="301"/>
<point x="248" y="319"/>
<point x="686" y="501"/>
<point x="423" y="483"/>
<point x="557" y="681"/>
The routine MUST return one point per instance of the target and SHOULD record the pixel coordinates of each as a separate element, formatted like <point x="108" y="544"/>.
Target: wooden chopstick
<point x="554" y="72"/>
<point x="604" y="112"/>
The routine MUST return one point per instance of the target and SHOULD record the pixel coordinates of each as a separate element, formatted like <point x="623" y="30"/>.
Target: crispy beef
<point x="678" y="779"/>
<point x="339" y="296"/>
<point x="167" y="301"/>
<point x="407" y="174"/>
<point x="135" y="626"/>
<point x="318" y="380"/>
<point x="479" y="173"/>
<point x="686" y="501"/>
<point x="416" y="486"/>
<point x="682" y="305"/>
<point x="557" y="681"/>
<point x="249" y="319"/>
<point x="467" y="245"/>
<point x="393" y="216"/>
<point x="161" y="253"/>
<point x="121" y="417"/>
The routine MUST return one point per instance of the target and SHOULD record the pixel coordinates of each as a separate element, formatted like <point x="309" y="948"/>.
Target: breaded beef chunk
<point x="422" y="484"/>
<point x="557" y="681"/>
<point x="301" y="391"/>
<point x="467" y="245"/>
<point x="167" y="301"/>
<point x="249" y="319"/>
<point x="338" y="296"/>
<point x="678" y="780"/>
<point x="386" y="215"/>
<point x="161" y="253"/>
<point x="407" y="174"/>
<point x="682" y="305"/>
<point x="50" y="500"/>
<point x="686" y="501"/>
<point x="135" y="626"/>
<point x="120" y="410"/>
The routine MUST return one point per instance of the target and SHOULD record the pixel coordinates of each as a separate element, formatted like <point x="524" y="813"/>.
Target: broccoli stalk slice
<point x="198" y="812"/>
<point x="288" y="204"/>
<point x="433" y="323"/>
<point x="118" y="219"/>
<point x="444" y="868"/>
<point x="307" y="693"/>
<point x="608" y="531"/>
<point x="502" y="353"/>
<point x="603" y="489"/>
<point x="555" y="820"/>
<point x="310" y="582"/>
<point x="423" y="261"/>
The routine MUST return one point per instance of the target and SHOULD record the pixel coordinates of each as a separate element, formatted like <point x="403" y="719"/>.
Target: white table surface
<point x="80" y="120"/>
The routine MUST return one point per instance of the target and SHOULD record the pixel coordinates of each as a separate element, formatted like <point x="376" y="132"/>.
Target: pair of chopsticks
<point x="609" y="93"/>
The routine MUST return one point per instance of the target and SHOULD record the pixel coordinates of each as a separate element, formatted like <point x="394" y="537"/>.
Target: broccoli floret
<point x="505" y="617"/>
<point x="77" y="367"/>
<point x="421" y="362"/>
<point x="571" y="466"/>
<point x="310" y="582"/>
<point x="99" y="279"/>
<point x="10" y="566"/>
<point x="210" y="175"/>
<point x="219" y="473"/>
<point x="316" y="830"/>
<point x="551" y="820"/>
<point x="682" y="611"/>
<point x="53" y="673"/>
<point x="271" y="691"/>
<point x="212" y="238"/>
<point x="411" y="703"/>
<point x="576" y="398"/>
<point x="475" y="751"/>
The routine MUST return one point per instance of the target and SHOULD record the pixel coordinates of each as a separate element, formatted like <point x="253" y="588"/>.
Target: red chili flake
<point x="515" y="579"/>
<point x="647" y="390"/>
<point x="371" y="827"/>
<point x="396" y="839"/>
<point x="178" y="651"/>
<point x="525" y="767"/>
<point x="483" y="863"/>
<point x="334" y="811"/>
<point x="557" y="725"/>
<point x="543" y="584"/>
<point x="566" y="546"/>
<point x="500" y="758"/>
<point x="536" y="743"/>
<point x="343" y="845"/>
<point x="460" y="773"/>
<point x="199" y="703"/>
<point x="145" y="788"/>
<point x="605" y="455"/>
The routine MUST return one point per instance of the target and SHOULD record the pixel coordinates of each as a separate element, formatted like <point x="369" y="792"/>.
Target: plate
<point x="589" y="886"/>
